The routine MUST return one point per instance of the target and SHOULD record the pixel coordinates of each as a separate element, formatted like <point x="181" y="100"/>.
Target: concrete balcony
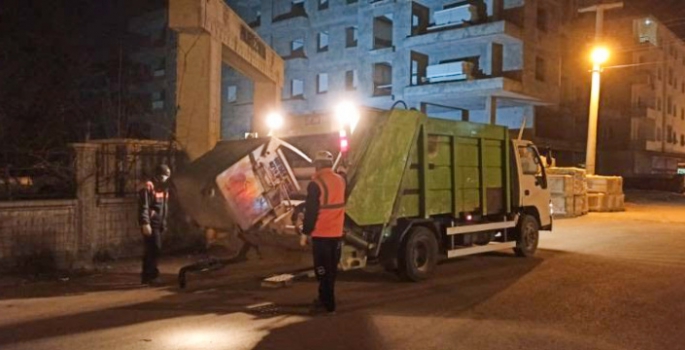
<point x="500" y="31"/>
<point x="468" y="94"/>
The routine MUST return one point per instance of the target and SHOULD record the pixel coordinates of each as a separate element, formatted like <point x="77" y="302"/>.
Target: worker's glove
<point x="303" y="240"/>
<point x="146" y="230"/>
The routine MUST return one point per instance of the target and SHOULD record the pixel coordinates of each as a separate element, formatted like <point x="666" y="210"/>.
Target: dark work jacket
<point x="153" y="203"/>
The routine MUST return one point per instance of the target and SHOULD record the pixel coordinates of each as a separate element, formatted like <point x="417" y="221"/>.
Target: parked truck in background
<point x="419" y="189"/>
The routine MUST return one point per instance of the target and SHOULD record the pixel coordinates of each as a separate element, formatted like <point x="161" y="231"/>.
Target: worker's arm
<point x="144" y="210"/>
<point x="311" y="207"/>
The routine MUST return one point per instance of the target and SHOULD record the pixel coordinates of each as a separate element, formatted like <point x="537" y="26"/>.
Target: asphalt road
<point x="604" y="281"/>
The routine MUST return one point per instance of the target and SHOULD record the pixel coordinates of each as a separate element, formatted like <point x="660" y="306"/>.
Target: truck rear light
<point x="344" y="145"/>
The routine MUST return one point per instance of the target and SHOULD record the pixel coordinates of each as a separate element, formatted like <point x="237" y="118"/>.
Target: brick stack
<point x="605" y="193"/>
<point x="569" y="191"/>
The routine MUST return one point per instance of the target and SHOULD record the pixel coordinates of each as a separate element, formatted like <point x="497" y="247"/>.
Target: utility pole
<point x="591" y="151"/>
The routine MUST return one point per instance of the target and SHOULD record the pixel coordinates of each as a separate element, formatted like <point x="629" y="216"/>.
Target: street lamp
<point x="599" y="56"/>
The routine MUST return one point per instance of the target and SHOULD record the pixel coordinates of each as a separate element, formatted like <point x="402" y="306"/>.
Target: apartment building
<point x="155" y="53"/>
<point x="479" y="60"/>
<point x="642" y="104"/>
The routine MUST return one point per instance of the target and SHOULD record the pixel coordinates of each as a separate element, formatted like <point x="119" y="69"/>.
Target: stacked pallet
<point x="569" y="191"/>
<point x="605" y="193"/>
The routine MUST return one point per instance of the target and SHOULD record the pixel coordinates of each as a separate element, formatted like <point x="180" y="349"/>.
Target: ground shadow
<point x="467" y="284"/>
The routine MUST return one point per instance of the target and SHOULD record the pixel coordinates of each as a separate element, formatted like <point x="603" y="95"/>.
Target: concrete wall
<point x="69" y="234"/>
<point x="33" y="229"/>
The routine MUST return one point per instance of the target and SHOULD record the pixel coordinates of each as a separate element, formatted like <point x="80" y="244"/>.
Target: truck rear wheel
<point x="418" y="255"/>
<point x="528" y="236"/>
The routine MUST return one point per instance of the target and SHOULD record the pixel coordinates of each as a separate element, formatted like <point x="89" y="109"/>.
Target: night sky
<point x="51" y="49"/>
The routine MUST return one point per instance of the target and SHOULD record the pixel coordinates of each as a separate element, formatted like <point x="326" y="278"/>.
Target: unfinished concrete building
<point x="485" y="61"/>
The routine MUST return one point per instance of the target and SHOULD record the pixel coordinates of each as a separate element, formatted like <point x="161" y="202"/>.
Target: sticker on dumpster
<point x="243" y="192"/>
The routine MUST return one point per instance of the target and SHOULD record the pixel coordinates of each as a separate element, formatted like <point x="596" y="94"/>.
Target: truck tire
<point x="528" y="234"/>
<point x="418" y="255"/>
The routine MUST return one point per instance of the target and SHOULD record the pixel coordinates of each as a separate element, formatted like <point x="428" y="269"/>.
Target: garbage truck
<point x="419" y="190"/>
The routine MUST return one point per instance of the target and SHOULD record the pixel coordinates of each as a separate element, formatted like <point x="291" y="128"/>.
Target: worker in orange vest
<point x="153" y="206"/>
<point x="323" y="221"/>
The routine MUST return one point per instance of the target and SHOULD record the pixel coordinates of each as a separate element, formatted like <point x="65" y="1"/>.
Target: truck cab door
<point x="533" y="190"/>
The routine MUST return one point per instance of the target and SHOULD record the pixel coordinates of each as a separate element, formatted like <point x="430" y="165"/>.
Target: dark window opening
<point x="540" y="69"/>
<point x="323" y="4"/>
<point x="420" y="18"/>
<point x="542" y="20"/>
<point x="419" y="66"/>
<point x="351" y="36"/>
<point x="382" y="79"/>
<point x="351" y="80"/>
<point x="382" y="32"/>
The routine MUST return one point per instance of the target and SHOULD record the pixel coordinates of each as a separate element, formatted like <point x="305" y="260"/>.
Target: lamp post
<point x="599" y="56"/>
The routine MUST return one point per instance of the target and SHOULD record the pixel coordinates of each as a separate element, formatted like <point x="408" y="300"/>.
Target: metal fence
<point x="37" y="175"/>
<point x="123" y="166"/>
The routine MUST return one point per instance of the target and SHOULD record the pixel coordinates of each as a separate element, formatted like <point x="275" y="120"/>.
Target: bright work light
<point x="347" y="114"/>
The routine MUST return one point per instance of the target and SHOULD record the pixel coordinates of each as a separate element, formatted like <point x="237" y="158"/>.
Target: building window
<point x="670" y="76"/>
<point x="658" y="104"/>
<point x="323" y="4"/>
<point x="420" y="18"/>
<point x="682" y="113"/>
<point x="542" y="20"/>
<point x="669" y="106"/>
<point x="322" y="83"/>
<point x="296" y="88"/>
<point x="231" y="93"/>
<point x="669" y="136"/>
<point x="160" y="68"/>
<point x="351" y="34"/>
<point x="658" y="134"/>
<point x="256" y="17"/>
<point x="419" y="67"/>
<point x="158" y="98"/>
<point x="297" y="48"/>
<point x="322" y="42"/>
<point x="540" y="69"/>
<point x="382" y="32"/>
<point x="351" y="2"/>
<point x="658" y="73"/>
<point x="382" y="79"/>
<point x="351" y="80"/>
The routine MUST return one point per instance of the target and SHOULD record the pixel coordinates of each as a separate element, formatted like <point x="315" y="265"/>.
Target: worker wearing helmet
<point x="323" y="221"/>
<point x="153" y="200"/>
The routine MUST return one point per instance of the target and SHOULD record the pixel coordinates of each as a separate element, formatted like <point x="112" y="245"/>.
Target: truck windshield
<point x="530" y="162"/>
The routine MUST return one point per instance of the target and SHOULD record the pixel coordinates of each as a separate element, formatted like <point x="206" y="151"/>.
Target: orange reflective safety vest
<point x="331" y="218"/>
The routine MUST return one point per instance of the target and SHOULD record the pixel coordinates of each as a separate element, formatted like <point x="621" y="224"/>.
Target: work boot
<point x="316" y="307"/>
<point x="153" y="282"/>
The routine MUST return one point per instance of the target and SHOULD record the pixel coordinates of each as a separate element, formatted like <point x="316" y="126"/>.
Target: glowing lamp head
<point x="469" y="217"/>
<point x="274" y="121"/>
<point x="347" y="114"/>
<point x="600" y="55"/>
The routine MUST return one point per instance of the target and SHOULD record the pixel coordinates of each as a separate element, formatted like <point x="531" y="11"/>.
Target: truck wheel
<point x="528" y="236"/>
<point x="418" y="255"/>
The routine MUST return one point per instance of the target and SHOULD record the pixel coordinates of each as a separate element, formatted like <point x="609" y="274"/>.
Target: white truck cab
<point x="533" y="195"/>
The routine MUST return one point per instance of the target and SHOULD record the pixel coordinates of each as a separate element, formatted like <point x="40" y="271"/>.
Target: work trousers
<point x="152" y="247"/>
<point x="326" y="257"/>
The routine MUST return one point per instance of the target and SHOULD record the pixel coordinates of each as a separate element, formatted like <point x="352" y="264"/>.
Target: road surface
<point x="603" y="281"/>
